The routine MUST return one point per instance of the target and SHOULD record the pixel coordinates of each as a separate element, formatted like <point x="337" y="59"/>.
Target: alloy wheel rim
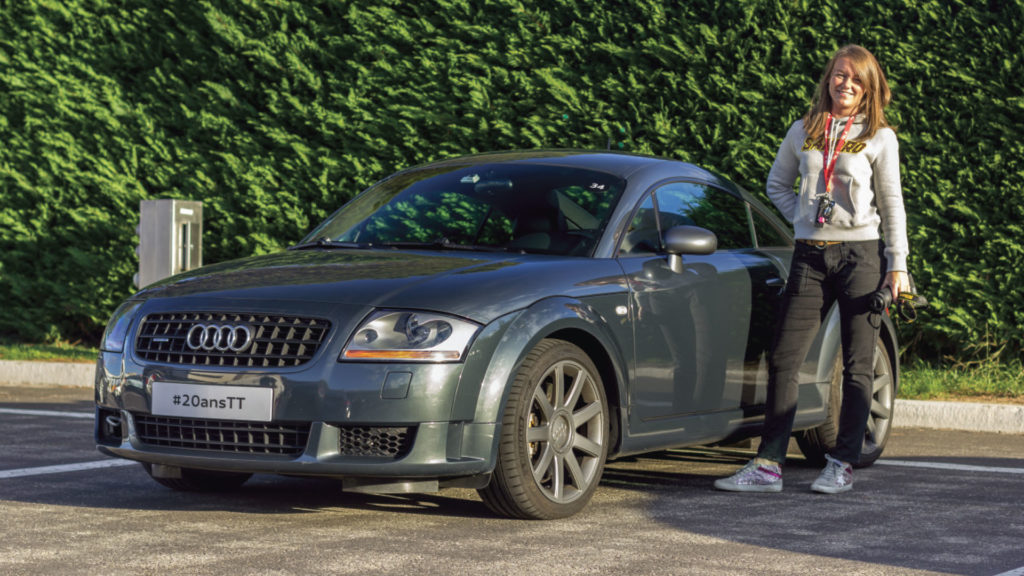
<point x="565" y="435"/>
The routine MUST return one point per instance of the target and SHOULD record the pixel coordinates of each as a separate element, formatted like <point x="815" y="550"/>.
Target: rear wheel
<point x="554" y="436"/>
<point x="194" y="480"/>
<point x="816" y="442"/>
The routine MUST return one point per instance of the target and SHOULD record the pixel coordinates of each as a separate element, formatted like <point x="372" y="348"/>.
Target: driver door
<point x="693" y="363"/>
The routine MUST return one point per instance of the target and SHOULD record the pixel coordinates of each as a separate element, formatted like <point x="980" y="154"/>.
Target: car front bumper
<point x="432" y="450"/>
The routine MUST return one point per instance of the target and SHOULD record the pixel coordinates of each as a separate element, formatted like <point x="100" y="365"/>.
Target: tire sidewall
<point x="514" y="455"/>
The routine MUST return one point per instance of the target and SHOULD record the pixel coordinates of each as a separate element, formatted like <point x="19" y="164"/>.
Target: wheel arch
<point x="560" y="318"/>
<point x="614" y="388"/>
<point x="891" y="340"/>
<point x="830" y="345"/>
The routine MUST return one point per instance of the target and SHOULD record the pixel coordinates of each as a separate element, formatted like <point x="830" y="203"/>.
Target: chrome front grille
<point x="222" y="435"/>
<point x="277" y="341"/>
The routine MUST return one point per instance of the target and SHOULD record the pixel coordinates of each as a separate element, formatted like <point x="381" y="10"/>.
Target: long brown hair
<point x="872" y="105"/>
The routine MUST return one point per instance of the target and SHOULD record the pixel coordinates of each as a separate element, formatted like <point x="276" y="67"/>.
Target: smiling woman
<point x="846" y="88"/>
<point x="850" y="225"/>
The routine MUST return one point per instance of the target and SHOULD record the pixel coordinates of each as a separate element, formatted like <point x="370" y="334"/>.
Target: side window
<point x="768" y="236"/>
<point x="642" y="236"/>
<point x="684" y="203"/>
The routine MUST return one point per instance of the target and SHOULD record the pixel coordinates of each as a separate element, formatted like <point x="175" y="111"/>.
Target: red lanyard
<point x="830" y="163"/>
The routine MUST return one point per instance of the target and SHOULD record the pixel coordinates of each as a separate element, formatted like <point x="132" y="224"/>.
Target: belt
<point x="818" y="243"/>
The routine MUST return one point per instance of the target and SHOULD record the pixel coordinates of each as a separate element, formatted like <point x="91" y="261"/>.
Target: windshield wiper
<point x="327" y="244"/>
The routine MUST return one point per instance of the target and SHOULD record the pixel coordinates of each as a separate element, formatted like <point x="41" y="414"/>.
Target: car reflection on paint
<point x="506" y="322"/>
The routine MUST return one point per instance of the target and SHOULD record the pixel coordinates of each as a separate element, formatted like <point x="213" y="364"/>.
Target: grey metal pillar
<point x="170" y="239"/>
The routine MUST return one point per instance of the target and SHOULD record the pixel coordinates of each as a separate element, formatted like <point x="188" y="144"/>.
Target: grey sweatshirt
<point x="865" y="186"/>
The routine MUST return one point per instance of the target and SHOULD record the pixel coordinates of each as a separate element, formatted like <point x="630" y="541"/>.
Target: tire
<point x="194" y="480"/>
<point x="554" y="436"/>
<point x="816" y="442"/>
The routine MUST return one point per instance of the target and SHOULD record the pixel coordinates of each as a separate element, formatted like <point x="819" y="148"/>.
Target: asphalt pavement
<point x="939" y="502"/>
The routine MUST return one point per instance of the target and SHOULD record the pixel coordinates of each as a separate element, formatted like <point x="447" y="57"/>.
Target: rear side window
<point x="732" y="219"/>
<point x="708" y="207"/>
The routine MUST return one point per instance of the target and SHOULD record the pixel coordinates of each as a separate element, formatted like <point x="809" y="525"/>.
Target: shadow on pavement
<point x="130" y="488"/>
<point x="945" y="520"/>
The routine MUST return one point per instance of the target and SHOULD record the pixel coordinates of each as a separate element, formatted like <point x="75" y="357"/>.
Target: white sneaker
<point x="835" y="478"/>
<point x="753" y="477"/>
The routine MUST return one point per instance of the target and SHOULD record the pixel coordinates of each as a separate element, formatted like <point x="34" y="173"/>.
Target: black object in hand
<point x="907" y="303"/>
<point x="880" y="299"/>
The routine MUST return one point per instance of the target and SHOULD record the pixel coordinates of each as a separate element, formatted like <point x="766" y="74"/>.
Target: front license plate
<point x="218" y="402"/>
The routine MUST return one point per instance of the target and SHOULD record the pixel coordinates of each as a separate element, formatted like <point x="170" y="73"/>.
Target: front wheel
<point x="554" y="436"/>
<point x="817" y="442"/>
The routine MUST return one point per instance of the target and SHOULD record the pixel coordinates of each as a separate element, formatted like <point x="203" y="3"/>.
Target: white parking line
<point x="945" y="466"/>
<point x="61" y="468"/>
<point x="88" y="415"/>
<point x="1014" y="572"/>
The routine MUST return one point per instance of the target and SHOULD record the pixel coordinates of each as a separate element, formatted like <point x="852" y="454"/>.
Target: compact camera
<point x="825" y="206"/>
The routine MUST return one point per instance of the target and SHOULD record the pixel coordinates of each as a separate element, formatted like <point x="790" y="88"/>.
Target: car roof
<point x="624" y="165"/>
<point x="643" y="170"/>
<point x="620" y="164"/>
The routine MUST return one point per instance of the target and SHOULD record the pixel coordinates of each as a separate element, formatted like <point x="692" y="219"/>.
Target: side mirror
<point x="688" y="240"/>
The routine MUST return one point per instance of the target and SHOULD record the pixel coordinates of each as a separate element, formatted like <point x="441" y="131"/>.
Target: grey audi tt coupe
<point x="506" y="322"/>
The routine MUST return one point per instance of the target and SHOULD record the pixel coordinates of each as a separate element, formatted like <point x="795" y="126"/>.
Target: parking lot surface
<point x="939" y="502"/>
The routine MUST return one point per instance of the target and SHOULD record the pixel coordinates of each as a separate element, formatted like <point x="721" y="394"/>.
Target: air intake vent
<point x="379" y="441"/>
<point x="234" y="340"/>
<point x="222" y="435"/>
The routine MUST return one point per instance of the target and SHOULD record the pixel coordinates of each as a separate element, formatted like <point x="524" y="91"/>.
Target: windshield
<point x="521" y="207"/>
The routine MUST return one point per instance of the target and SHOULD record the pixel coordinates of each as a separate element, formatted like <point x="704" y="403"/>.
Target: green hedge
<point x="274" y="113"/>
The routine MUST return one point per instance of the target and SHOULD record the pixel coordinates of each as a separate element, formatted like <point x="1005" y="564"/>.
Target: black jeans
<point x="848" y="273"/>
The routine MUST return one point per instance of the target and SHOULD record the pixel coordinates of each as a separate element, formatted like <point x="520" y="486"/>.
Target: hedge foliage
<point x="274" y="113"/>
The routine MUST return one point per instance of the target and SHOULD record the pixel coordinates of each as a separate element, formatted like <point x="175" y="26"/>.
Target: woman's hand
<point x="897" y="281"/>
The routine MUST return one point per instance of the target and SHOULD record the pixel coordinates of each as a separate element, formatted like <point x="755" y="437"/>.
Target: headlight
<point x="117" y="328"/>
<point x="410" y="337"/>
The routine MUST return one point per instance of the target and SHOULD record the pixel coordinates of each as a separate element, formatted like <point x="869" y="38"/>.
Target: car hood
<point x="479" y="286"/>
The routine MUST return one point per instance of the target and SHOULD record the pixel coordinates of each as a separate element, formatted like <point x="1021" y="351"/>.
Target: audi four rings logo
<point x="220" y="337"/>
